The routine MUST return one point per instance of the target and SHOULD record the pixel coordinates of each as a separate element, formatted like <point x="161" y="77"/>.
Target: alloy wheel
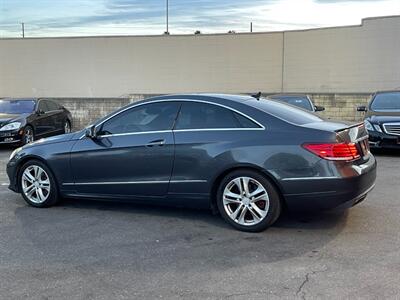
<point x="28" y="136"/>
<point x="246" y="201"/>
<point x="67" y="127"/>
<point x="35" y="184"/>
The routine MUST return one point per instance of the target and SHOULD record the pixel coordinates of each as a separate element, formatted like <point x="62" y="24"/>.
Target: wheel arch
<point x="27" y="158"/>
<point x="218" y="179"/>
<point x="31" y="126"/>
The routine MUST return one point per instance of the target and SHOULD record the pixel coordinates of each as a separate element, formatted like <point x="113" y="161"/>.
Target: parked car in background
<point x="24" y="120"/>
<point x="302" y="101"/>
<point x="244" y="157"/>
<point x="382" y="119"/>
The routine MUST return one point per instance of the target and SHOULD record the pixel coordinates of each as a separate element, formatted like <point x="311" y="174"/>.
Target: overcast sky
<point x="138" y="17"/>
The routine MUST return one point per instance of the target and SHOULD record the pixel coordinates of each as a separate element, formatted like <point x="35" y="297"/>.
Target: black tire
<point x="274" y="200"/>
<point x="28" y="136"/>
<point x="52" y="196"/>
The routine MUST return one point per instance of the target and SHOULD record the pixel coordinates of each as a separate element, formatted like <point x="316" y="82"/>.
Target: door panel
<point x="125" y="165"/>
<point x="57" y="115"/>
<point x="45" y="122"/>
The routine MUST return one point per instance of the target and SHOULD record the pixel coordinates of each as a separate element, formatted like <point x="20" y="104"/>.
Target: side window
<point x="195" y="115"/>
<point x="245" y="122"/>
<point x="52" y="105"/>
<point x="43" y="106"/>
<point x="147" y="117"/>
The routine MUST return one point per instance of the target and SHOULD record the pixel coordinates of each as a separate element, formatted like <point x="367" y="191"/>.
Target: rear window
<point x="386" y="102"/>
<point x="302" y="102"/>
<point x="285" y="112"/>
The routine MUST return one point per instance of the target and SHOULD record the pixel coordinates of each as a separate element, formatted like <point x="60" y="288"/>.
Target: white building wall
<point x="114" y="66"/>
<point x="355" y="59"/>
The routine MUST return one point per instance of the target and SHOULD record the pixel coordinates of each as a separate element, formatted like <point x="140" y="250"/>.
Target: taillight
<point x="334" y="151"/>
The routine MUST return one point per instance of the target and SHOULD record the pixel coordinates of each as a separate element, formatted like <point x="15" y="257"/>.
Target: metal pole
<point x="251" y="26"/>
<point x="23" y="30"/>
<point x="167" y="17"/>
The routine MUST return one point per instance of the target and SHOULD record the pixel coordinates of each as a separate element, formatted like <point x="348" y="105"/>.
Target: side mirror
<point x="362" y="108"/>
<point x="319" y="108"/>
<point x="90" y="132"/>
<point x="40" y="112"/>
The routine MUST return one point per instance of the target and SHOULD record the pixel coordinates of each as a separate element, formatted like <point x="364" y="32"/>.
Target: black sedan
<point x="382" y="119"/>
<point x="24" y="120"/>
<point x="244" y="157"/>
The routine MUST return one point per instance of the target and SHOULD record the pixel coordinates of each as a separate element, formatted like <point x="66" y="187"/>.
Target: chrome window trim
<point x="262" y="127"/>
<point x="391" y="124"/>
<point x="218" y="129"/>
<point x="135" y="182"/>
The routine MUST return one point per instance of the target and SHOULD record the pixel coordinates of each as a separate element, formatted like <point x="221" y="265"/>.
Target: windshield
<point x="302" y="102"/>
<point x="16" y="106"/>
<point x="386" y="102"/>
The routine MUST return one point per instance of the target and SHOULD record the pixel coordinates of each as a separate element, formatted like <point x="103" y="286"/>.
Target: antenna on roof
<point x="257" y="96"/>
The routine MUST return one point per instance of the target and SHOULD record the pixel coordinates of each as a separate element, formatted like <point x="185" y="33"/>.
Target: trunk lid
<point x="346" y="132"/>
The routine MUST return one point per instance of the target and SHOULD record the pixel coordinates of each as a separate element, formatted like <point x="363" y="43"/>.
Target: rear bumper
<point x="380" y="140"/>
<point x="331" y="192"/>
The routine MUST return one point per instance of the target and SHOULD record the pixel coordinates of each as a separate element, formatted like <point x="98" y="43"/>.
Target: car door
<point x="57" y="116"/>
<point x="44" y="123"/>
<point x="205" y="134"/>
<point x="131" y="156"/>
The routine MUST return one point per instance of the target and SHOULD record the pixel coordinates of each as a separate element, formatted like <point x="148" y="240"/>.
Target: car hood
<point x="55" y="139"/>
<point x="5" y="118"/>
<point x="383" y="119"/>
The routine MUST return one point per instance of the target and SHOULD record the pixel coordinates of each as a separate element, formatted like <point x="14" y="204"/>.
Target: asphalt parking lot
<point x="88" y="249"/>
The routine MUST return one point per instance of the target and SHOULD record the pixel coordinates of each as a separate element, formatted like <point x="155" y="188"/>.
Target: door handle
<point x="155" y="143"/>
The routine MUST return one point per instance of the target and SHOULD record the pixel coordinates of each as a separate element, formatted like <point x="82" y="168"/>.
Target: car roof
<point x="388" y="91"/>
<point x="205" y="96"/>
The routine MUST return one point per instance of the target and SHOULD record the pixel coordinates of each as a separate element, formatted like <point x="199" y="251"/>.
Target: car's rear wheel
<point x="67" y="127"/>
<point x="28" y="136"/>
<point x="248" y="201"/>
<point x="37" y="184"/>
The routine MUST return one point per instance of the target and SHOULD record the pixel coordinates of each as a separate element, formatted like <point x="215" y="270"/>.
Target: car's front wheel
<point x="248" y="201"/>
<point x="37" y="184"/>
<point x="28" y="135"/>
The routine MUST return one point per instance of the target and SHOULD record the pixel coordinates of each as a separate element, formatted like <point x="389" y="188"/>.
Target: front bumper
<point x="383" y="140"/>
<point x="313" y="194"/>
<point x="10" y="137"/>
<point x="12" y="176"/>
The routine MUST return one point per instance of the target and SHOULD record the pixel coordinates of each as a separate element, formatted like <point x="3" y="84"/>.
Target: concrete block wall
<point x="341" y="106"/>
<point x="87" y="110"/>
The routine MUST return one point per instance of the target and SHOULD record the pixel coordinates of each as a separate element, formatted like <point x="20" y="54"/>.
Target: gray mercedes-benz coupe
<point x="247" y="158"/>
